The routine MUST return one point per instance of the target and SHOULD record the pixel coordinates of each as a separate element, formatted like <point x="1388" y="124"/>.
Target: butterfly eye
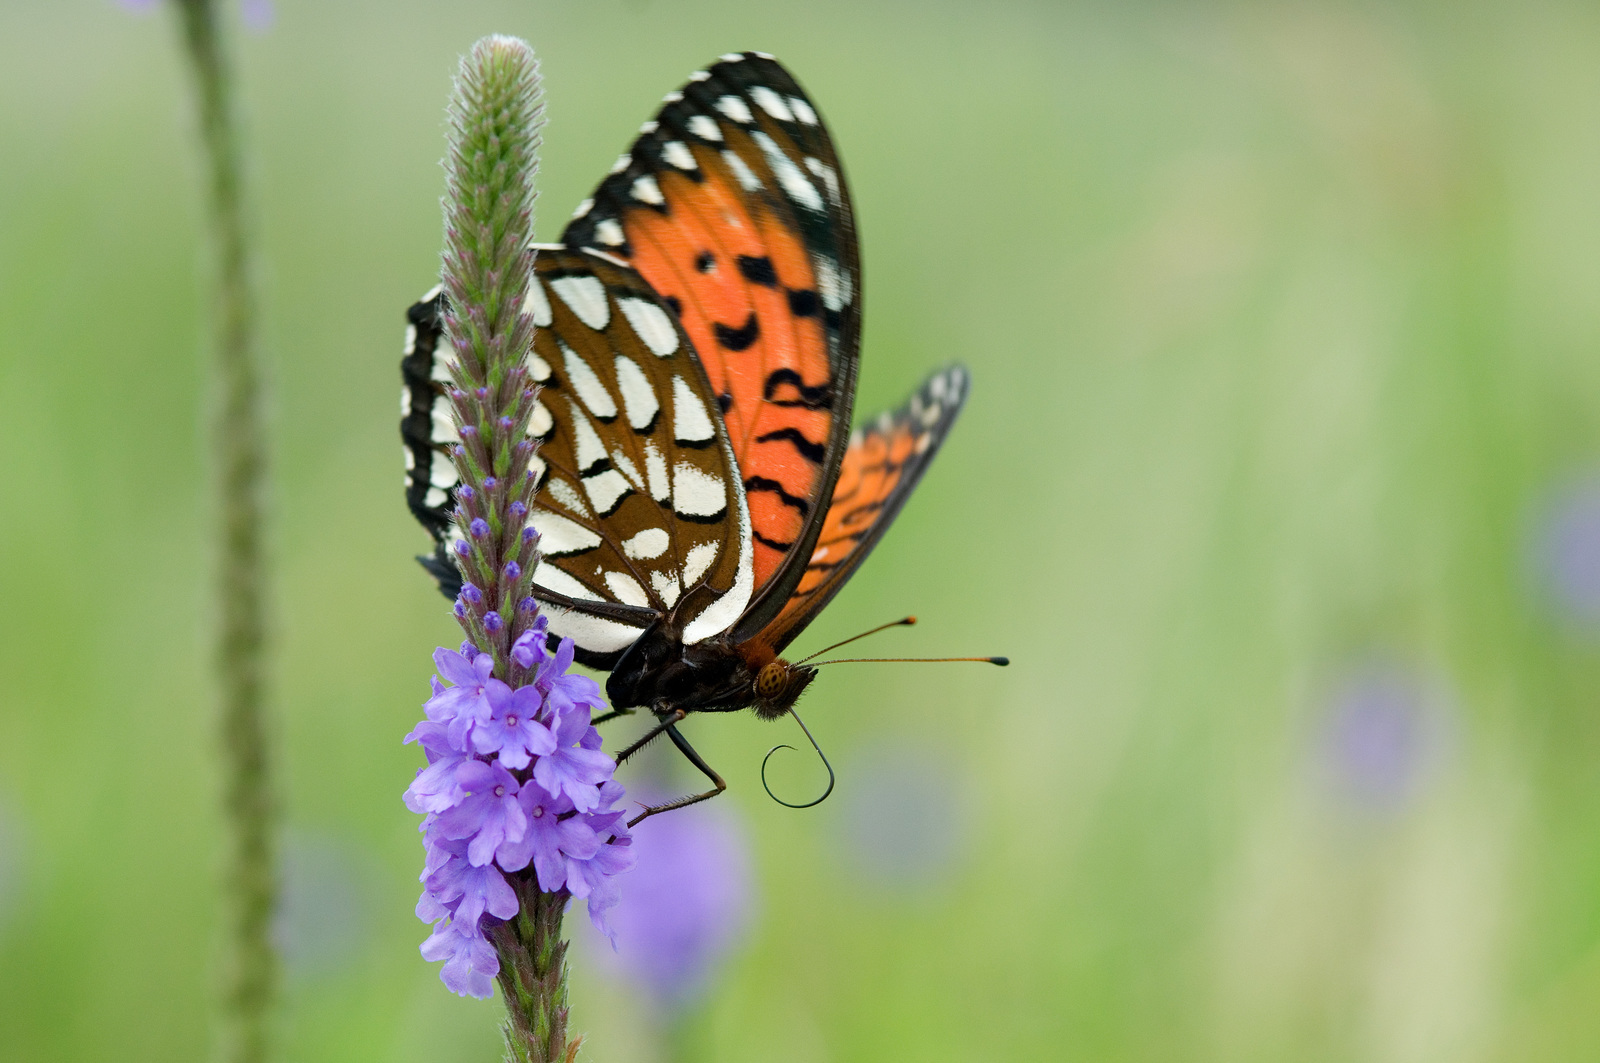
<point x="772" y="679"/>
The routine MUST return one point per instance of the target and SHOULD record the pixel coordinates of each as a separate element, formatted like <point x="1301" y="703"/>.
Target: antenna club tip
<point x="1001" y="661"/>
<point x="908" y="621"/>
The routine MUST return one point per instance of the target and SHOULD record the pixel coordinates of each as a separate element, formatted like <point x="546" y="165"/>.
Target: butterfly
<point x="701" y="493"/>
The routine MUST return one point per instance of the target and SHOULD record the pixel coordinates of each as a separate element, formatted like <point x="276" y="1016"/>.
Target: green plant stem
<point x="238" y="439"/>
<point x="533" y="977"/>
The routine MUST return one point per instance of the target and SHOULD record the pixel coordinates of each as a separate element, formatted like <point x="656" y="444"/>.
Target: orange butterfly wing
<point x="882" y="466"/>
<point x="732" y="204"/>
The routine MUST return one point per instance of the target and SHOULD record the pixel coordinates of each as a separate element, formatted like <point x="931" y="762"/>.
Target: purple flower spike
<point x="555" y="843"/>
<point x="470" y="961"/>
<point x="572" y="769"/>
<point x="513" y="731"/>
<point x="488" y="817"/>
<point x="528" y="650"/>
<point x="465" y="702"/>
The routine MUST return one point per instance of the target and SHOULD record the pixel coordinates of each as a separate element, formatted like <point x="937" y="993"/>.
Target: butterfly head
<point x="778" y="685"/>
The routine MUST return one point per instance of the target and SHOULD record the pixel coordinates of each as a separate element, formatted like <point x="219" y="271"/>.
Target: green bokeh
<point x="1284" y="322"/>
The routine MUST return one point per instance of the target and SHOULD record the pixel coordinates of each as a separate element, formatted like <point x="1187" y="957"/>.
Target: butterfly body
<point x="701" y="493"/>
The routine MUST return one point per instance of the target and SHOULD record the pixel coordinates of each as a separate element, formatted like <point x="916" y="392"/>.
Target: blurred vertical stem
<point x="238" y="439"/>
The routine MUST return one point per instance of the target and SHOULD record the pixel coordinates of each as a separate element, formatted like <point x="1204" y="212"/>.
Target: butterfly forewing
<point x="885" y="460"/>
<point x="733" y="206"/>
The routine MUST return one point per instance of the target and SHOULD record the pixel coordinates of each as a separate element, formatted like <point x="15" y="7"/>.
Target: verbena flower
<point x="518" y="799"/>
<point x="488" y="814"/>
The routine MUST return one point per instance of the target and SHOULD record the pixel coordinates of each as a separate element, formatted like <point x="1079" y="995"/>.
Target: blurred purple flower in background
<point x="1565" y="549"/>
<point x="903" y="816"/>
<point x="686" y="904"/>
<point x="321" y="924"/>
<point x="1382" y="728"/>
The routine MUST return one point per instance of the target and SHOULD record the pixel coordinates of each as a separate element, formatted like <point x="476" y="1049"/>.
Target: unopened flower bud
<point x="471" y="593"/>
<point x="518" y="510"/>
<point x="513" y="571"/>
<point x="479" y="527"/>
<point x="465" y="493"/>
<point x="490" y="483"/>
<point x="529" y="533"/>
<point x="492" y="623"/>
<point x="462" y="549"/>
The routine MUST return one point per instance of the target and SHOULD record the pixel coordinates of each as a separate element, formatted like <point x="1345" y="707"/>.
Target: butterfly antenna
<point x="824" y="759"/>
<point x="905" y="621"/>
<point x="1001" y="661"/>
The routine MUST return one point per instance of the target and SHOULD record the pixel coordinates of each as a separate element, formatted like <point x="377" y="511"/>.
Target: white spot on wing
<point x="623" y="162"/>
<point x="590" y="449"/>
<point x="541" y="422"/>
<point x="638" y="397"/>
<point x="646" y="190"/>
<point x="667" y="588"/>
<point x="584" y="208"/>
<point x="742" y="173"/>
<point x="698" y="561"/>
<point x="605" y="489"/>
<point x="672" y="97"/>
<point x="648" y="127"/>
<point x="628" y="469"/>
<point x="436" y="498"/>
<point x="538" y="368"/>
<point x="587" y="298"/>
<point x="832" y="282"/>
<point x="705" y="127"/>
<point x="536" y="305"/>
<point x="588" y="386"/>
<point x="699" y="75"/>
<point x="442" y="473"/>
<point x="652" y="324"/>
<point x="567" y="495"/>
<point x="732" y="57"/>
<point x="655" y="467"/>
<point x="690" y="423"/>
<point x="608" y="232"/>
<point x="789" y="176"/>
<point x="593" y="633"/>
<point x="627" y="589"/>
<point x="553" y="578"/>
<point x="559" y="536"/>
<point x="802" y="110"/>
<point x="647" y="545"/>
<point x="772" y="103"/>
<point x="678" y="154"/>
<point x="826" y="174"/>
<point x="695" y="493"/>
<point x="411" y="339"/>
<point x="735" y="108"/>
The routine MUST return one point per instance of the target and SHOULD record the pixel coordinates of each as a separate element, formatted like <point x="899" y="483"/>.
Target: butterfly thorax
<point x="660" y="672"/>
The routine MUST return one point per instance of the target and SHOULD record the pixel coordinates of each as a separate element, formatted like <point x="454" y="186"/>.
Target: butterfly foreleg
<point x="676" y="716"/>
<point x="612" y="715"/>
<point x="698" y="761"/>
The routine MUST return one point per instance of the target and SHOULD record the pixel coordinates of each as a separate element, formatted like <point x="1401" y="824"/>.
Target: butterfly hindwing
<point x="885" y="460"/>
<point x="639" y="510"/>
<point x="640" y="504"/>
<point x="733" y="205"/>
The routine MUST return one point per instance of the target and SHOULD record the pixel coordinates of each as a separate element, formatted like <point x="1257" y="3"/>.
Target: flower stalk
<point x="517" y="797"/>
<point x="239" y="442"/>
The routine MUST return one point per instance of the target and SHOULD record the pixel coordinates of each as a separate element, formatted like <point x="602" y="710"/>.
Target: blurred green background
<point x="1278" y="484"/>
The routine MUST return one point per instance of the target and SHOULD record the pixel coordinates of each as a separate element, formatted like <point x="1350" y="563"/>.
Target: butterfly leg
<point x="698" y="761"/>
<point x="650" y="736"/>
<point x="612" y="715"/>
